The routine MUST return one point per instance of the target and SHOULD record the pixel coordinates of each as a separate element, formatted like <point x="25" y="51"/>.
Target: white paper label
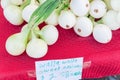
<point x="63" y="69"/>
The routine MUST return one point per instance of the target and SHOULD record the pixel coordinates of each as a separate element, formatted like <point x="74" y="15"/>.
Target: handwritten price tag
<point x="64" y="69"/>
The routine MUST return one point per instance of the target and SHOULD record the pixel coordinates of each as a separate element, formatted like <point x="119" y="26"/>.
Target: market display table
<point x="104" y="58"/>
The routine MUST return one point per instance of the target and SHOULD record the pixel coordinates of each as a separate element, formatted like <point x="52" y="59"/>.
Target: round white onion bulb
<point x="102" y="33"/>
<point x="66" y="19"/>
<point x="115" y="4"/>
<point x="49" y="34"/>
<point x="83" y="27"/>
<point x="13" y="14"/>
<point x="36" y="48"/>
<point x="110" y="19"/>
<point x="5" y="3"/>
<point x="28" y="11"/>
<point x="118" y="17"/>
<point x="80" y="7"/>
<point x="52" y="19"/>
<point x="15" y="44"/>
<point x="97" y="9"/>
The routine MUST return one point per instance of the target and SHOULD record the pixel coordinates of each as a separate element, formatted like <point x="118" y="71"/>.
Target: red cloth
<point x="105" y="59"/>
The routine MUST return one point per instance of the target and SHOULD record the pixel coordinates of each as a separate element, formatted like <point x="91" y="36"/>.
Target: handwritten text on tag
<point x="63" y="69"/>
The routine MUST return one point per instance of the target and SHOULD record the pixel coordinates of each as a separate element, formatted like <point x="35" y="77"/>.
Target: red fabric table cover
<point x="105" y="58"/>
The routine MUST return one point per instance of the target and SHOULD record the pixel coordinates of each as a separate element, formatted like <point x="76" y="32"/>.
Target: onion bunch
<point x="96" y="17"/>
<point x="86" y="17"/>
<point x="31" y="39"/>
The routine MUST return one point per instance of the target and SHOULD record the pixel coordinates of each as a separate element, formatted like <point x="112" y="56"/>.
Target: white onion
<point x="49" y="34"/>
<point x="110" y="19"/>
<point x="13" y="14"/>
<point x="115" y="4"/>
<point x="5" y="3"/>
<point x="118" y="17"/>
<point x="97" y="9"/>
<point x="66" y="19"/>
<point x="83" y="27"/>
<point x="28" y="11"/>
<point x="52" y="19"/>
<point x="36" y="48"/>
<point x="102" y="33"/>
<point x="80" y="7"/>
<point x="15" y="45"/>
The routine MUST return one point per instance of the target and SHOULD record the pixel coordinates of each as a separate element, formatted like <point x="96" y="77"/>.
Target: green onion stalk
<point x="44" y="11"/>
<point x="26" y="2"/>
<point x="17" y="43"/>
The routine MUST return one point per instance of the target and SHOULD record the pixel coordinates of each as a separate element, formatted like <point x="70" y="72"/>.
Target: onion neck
<point x="26" y="2"/>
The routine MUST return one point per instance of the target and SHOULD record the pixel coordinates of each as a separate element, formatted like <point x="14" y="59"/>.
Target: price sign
<point x="63" y="69"/>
